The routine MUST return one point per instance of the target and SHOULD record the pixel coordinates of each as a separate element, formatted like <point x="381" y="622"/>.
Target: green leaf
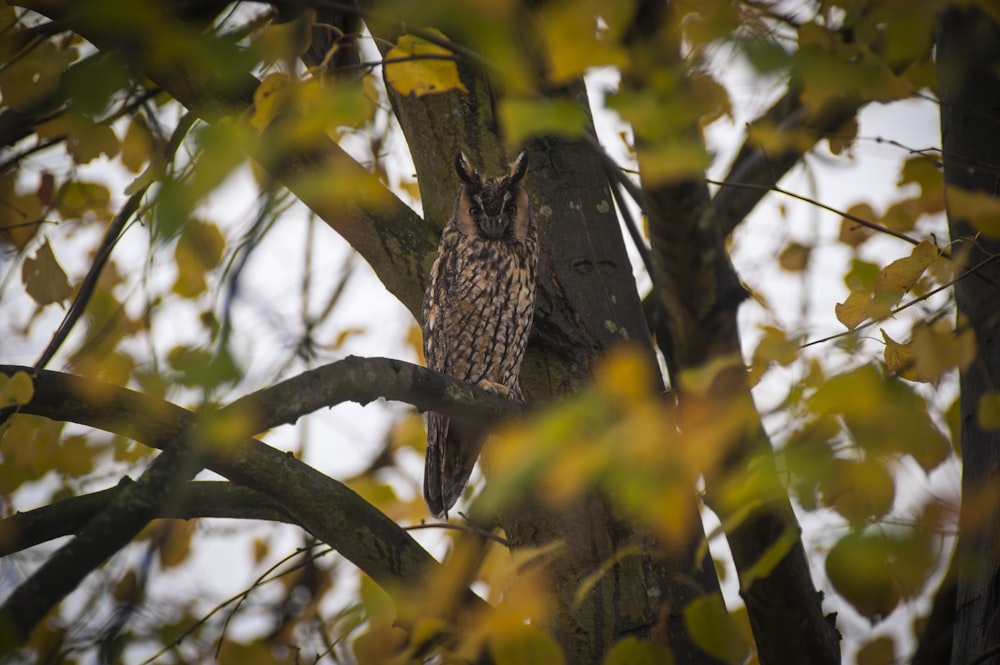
<point x="632" y="651"/>
<point x="858" y="568"/>
<point x="525" y="118"/>
<point x="200" y="367"/>
<point x="883" y="415"/>
<point x="714" y="631"/>
<point x="44" y="279"/>
<point x="771" y="557"/>
<point x="858" y="490"/>
<point x="524" y="644"/>
<point x="75" y="199"/>
<point x="421" y="76"/>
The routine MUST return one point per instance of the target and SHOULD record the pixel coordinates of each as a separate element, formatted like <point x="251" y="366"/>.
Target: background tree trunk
<point x="969" y="90"/>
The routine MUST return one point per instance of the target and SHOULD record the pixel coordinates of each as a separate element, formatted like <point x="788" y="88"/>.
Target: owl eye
<point x="511" y="208"/>
<point x="472" y="211"/>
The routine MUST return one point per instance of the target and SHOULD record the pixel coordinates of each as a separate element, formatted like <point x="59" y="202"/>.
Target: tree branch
<point x="326" y="508"/>
<point x="109" y="531"/>
<point x="759" y="171"/>
<point x="195" y="500"/>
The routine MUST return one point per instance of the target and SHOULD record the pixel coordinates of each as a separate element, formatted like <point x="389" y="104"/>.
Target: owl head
<point x="493" y="208"/>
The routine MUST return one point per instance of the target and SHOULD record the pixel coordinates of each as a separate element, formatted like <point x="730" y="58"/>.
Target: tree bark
<point x="587" y="303"/>
<point x="968" y="71"/>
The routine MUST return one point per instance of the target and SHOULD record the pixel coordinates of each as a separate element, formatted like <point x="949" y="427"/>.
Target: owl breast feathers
<point x="477" y="311"/>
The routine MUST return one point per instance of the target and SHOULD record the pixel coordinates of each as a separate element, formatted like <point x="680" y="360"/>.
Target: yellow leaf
<point x="774" y="347"/>
<point x="673" y="160"/>
<point x="925" y="173"/>
<point x="26" y="82"/>
<point x="419" y="74"/>
<point x="939" y="349"/>
<point x="899" y="358"/>
<point x="269" y="99"/>
<point x="261" y="548"/>
<point x="199" y="249"/>
<point x="284" y="41"/>
<point x="852" y="233"/>
<point x="794" y="257"/>
<point x="44" y="279"/>
<point x="174" y="542"/>
<point x="574" y="40"/>
<point x="74" y="457"/>
<point x="777" y="140"/>
<point x="988" y="411"/>
<point x="978" y="208"/>
<point x="85" y="139"/>
<point x="75" y="199"/>
<point x="127" y="587"/>
<point x="844" y="137"/>
<point x="855" y="309"/>
<point x="138" y="144"/>
<point x="625" y="375"/>
<point x="426" y="629"/>
<point x="20" y="216"/>
<point x="900" y="275"/>
<point x="15" y="390"/>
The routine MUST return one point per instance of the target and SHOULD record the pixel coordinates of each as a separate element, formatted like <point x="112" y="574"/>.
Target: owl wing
<point x="446" y="468"/>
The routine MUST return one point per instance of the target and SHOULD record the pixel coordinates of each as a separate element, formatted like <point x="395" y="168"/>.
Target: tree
<point x="593" y="486"/>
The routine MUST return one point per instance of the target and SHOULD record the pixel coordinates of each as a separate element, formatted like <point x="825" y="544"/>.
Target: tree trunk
<point x="969" y="89"/>
<point x="587" y="303"/>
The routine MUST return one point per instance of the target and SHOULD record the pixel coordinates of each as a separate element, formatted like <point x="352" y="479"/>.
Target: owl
<point x="477" y="311"/>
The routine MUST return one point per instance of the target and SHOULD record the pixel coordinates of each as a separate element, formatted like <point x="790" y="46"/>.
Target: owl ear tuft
<point x="464" y="169"/>
<point x="518" y="168"/>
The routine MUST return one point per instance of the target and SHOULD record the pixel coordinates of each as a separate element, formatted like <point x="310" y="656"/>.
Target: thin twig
<point x="111" y="237"/>
<point x="466" y="528"/>
<point x="913" y="302"/>
<point x="820" y="204"/>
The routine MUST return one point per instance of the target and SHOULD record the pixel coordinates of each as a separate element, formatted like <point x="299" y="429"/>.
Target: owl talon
<point x="494" y="387"/>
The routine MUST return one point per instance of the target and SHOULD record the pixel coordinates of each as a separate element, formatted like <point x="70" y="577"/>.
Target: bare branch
<point x="752" y="166"/>
<point x="196" y="500"/>
<point x="326" y="508"/>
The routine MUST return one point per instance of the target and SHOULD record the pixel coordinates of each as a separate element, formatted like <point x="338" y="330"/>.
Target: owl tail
<point x="449" y="463"/>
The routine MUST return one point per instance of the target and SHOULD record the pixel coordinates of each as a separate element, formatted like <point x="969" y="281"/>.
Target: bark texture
<point x="969" y="89"/>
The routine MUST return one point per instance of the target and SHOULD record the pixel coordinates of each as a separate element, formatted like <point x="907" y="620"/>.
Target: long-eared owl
<point x="477" y="311"/>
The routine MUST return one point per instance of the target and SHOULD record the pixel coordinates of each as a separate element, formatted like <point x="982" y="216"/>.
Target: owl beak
<point x="493" y="227"/>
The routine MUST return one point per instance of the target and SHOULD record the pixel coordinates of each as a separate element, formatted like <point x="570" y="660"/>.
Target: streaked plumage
<point x="478" y="310"/>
